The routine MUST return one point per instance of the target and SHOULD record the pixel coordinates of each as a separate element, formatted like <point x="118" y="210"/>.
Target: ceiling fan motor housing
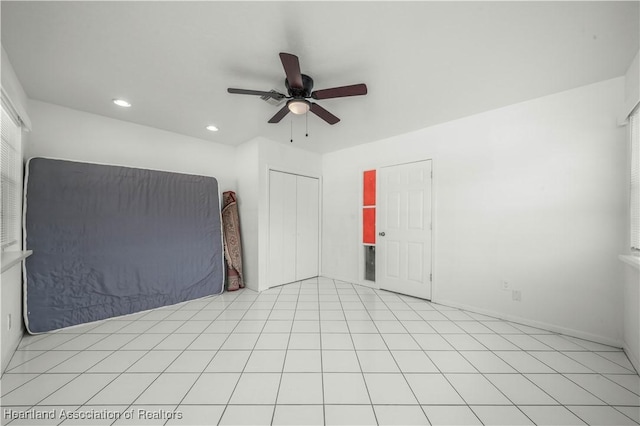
<point x="305" y="92"/>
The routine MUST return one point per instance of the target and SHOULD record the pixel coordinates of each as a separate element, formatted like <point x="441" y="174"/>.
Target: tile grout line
<point x="546" y="393"/>
<point x="165" y="369"/>
<point x="460" y="352"/>
<point x="437" y="367"/>
<point x="396" y="361"/>
<point x="186" y="349"/>
<point x="324" y="411"/>
<point x="118" y="375"/>
<point x="246" y="310"/>
<point x="284" y="362"/>
<point x="442" y="373"/>
<point x="77" y="354"/>
<point x="375" y="415"/>
<point x="489" y="350"/>
<point x="128" y="406"/>
<point x="493" y="352"/>
<point x="556" y="372"/>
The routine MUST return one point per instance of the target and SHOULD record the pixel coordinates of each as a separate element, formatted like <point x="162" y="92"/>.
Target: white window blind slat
<point x="9" y="180"/>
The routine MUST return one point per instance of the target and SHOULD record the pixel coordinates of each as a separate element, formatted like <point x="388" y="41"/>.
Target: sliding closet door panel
<point x="290" y="249"/>
<point x="282" y="228"/>
<point x="276" y="242"/>
<point x="308" y="209"/>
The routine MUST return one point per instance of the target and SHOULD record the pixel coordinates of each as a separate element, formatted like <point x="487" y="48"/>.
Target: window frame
<point x="10" y="177"/>
<point x="634" y="180"/>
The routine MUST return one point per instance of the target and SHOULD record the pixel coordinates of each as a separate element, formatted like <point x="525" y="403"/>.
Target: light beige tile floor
<point x="315" y="352"/>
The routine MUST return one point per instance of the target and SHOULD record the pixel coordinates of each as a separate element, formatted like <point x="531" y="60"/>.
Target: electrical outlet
<point x="505" y="285"/>
<point x="516" y="295"/>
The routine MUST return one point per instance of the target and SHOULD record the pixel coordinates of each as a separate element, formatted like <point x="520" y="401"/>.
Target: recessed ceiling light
<point x="212" y="128"/>
<point x="122" y="103"/>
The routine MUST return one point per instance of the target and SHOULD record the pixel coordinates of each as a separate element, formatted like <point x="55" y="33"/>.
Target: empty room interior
<point x="320" y="213"/>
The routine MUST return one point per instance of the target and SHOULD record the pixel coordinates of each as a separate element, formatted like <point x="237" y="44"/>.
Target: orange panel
<point x="369" y="192"/>
<point x="369" y="225"/>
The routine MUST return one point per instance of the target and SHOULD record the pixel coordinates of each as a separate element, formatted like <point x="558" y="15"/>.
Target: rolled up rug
<point x="232" y="243"/>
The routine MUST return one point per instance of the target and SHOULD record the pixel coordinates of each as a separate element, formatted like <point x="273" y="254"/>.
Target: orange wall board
<point x="369" y="190"/>
<point x="369" y="225"/>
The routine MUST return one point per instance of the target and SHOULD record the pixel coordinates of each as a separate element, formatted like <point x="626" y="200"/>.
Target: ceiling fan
<point x="299" y="86"/>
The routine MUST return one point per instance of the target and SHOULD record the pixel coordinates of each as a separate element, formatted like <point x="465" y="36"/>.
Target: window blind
<point x="9" y="180"/>
<point x="634" y="121"/>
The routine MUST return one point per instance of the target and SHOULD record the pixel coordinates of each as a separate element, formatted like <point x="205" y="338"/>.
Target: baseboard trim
<point x="363" y="283"/>
<point x="524" y="321"/>
<point x="633" y="358"/>
<point x="537" y="324"/>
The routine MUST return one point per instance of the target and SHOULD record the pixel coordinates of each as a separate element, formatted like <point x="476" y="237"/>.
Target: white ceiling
<point x="423" y="62"/>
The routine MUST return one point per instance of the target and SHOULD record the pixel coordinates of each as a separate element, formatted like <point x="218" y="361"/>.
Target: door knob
<point x="381" y="234"/>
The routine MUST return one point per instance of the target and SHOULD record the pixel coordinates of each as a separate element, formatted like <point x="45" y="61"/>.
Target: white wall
<point x="631" y="87"/>
<point x="533" y="193"/>
<point x="70" y="134"/>
<point x="248" y="179"/>
<point x="13" y="89"/>
<point x="11" y="305"/>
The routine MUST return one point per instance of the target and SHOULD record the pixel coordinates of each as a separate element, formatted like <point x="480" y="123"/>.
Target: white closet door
<point x="282" y="228"/>
<point x="308" y="209"/>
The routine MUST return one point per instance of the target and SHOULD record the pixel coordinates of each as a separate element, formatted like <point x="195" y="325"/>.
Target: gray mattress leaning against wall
<point x="110" y="241"/>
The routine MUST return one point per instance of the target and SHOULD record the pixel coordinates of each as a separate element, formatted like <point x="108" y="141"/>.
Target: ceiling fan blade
<point x="324" y="114"/>
<point x="275" y="95"/>
<point x="280" y="115"/>
<point x="340" y="92"/>
<point x="292" y="70"/>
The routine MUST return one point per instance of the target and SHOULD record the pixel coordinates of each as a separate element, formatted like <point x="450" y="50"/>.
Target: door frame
<point x="264" y="220"/>
<point x="433" y="223"/>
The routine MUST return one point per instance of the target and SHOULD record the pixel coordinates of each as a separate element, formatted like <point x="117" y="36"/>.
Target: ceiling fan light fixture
<point x="212" y="128"/>
<point x="299" y="106"/>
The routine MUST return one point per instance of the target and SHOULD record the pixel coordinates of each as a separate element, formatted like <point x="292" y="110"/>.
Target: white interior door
<point x="282" y="228"/>
<point x="403" y="243"/>
<point x="307" y="235"/>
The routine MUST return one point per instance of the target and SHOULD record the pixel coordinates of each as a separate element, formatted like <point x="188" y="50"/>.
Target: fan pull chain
<point x="291" y="130"/>
<point x="306" y="118"/>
